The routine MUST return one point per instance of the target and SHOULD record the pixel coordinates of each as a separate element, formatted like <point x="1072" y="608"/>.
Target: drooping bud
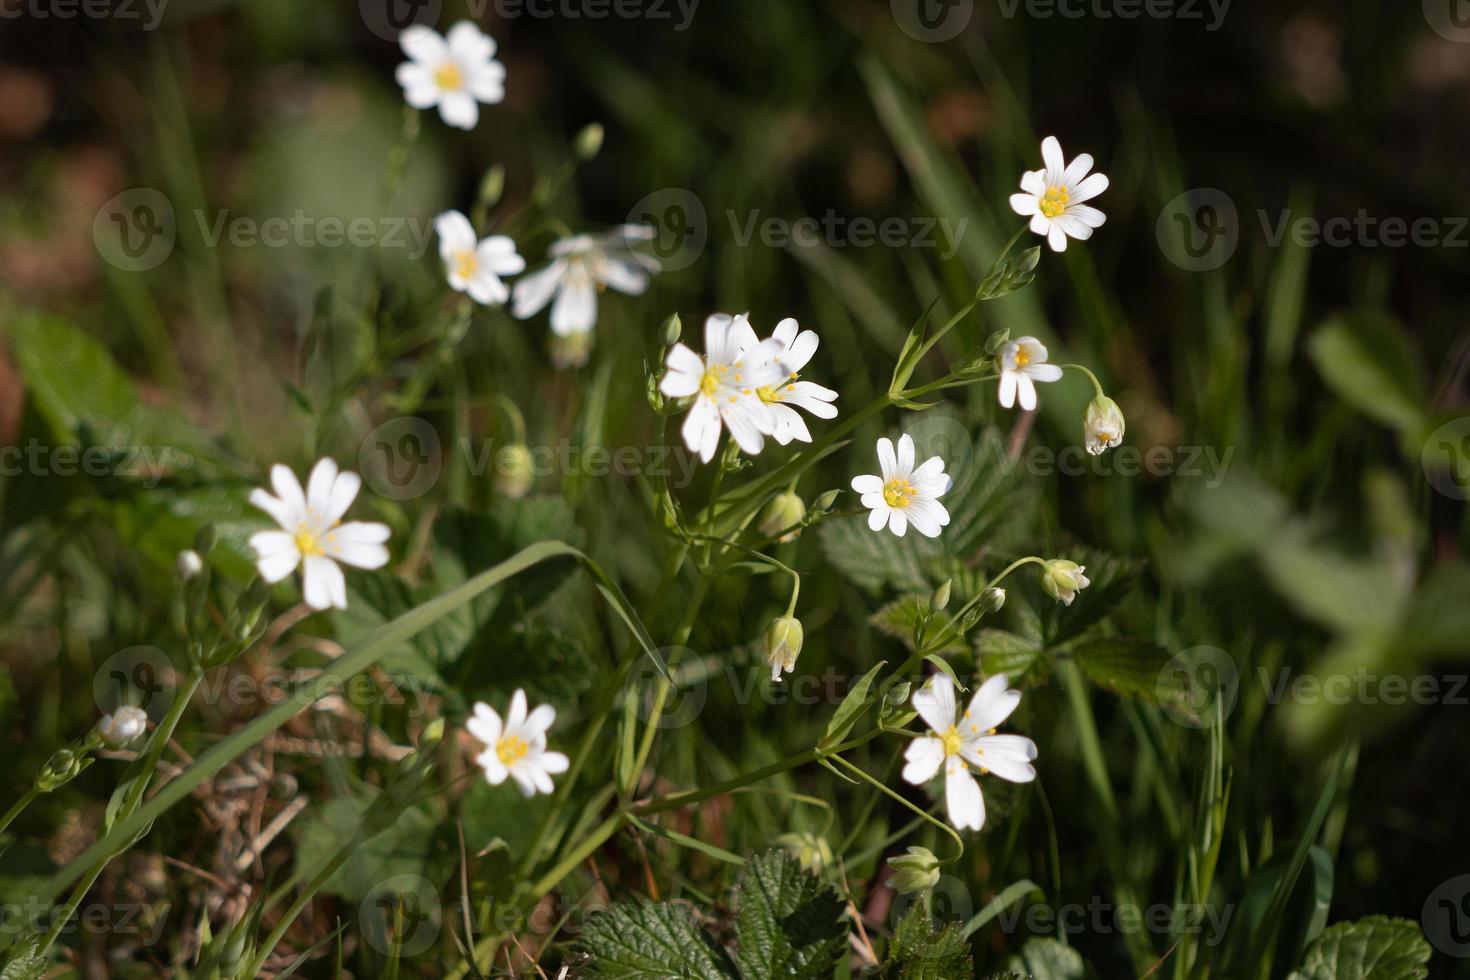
<point x="514" y="471"/>
<point x="122" y="726"/>
<point x="783" y="513"/>
<point x="916" y="871"/>
<point x="589" y="141"/>
<point x="783" y="645"/>
<point x="1063" y="579"/>
<point x="1103" y="424"/>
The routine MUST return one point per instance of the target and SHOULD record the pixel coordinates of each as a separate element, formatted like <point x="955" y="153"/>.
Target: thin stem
<point x="951" y="631"/>
<point x="863" y="774"/>
<point x="1096" y="385"/>
<point x="17" y="807"/>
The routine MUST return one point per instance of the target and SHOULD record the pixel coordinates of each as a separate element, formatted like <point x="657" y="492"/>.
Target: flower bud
<point x="492" y="186"/>
<point x="63" y="766"/>
<point x="189" y="564"/>
<point x="783" y="645"/>
<point x="1103" y="424"/>
<point x="513" y="471"/>
<point x="991" y="600"/>
<point x="785" y="511"/>
<point x="1028" y="260"/>
<point x="589" y="141"/>
<point x="122" y="727"/>
<point x="916" y="871"/>
<point x="673" y="329"/>
<point x="997" y="341"/>
<point x="571" y="351"/>
<point x="825" y="501"/>
<point x="940" y="598"/>
<point x="1063" y="579"/>
<point x="812" y="852"/>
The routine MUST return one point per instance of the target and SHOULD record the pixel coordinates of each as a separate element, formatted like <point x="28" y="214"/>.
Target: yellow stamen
<point x="952" y="742"/>
<point x="1054" y="201"/>
<point x="448" y="77"/>
<point x="1022" y="358"/>
<point x="465" y="263"/>
<point x="768" y="394"/>
<point x="306" y="542"/>
<point x="511" y="749"/>
<point x="710" y="383"/>
<point x="898" y="491"/>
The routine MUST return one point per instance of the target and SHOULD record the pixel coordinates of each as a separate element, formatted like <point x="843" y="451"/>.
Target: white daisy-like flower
<point x="582" y="267"/>
<point x="724" y="383"/>
<point x="455" y="72"/>
<point x="475" y="266"/>
<point x="904" y="494"/>
<point x="964" y="742"/>
<point x="783" y="398"/>
<point x="1053" y="197"/>
<point x="123" y="726"/>
<point x="1022" y="363"/>
<point x="517" y="746"/>
<point x="312" y="534"/>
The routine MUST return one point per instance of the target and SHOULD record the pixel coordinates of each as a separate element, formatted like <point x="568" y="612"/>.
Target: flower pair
<point x="750" y="386"/>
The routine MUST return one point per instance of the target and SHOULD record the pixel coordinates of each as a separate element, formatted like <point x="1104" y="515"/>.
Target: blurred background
<point x="1277" y="301"/>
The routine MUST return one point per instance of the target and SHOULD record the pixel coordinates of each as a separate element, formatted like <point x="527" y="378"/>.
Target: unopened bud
<point x="916" y="871"/>
<point x="783" y="513"/>
<point x="1063" y="579"/>
<point x="1029" y="259"/>
<point x="783" y="645"/>
<point x="514" y="471"/>
<point x="492" y="186"/>
<point x="589" y="141"/>
<point x="188" y="564"/>
<point x="940" y="598"/>
<point x="825" y="502"/>
<point x="1103" y="425"/>
<point x="672" y="330"/>
<point x="997" y="341"/>
<point x="123" y="726"/>
<point x="991" y="600"/>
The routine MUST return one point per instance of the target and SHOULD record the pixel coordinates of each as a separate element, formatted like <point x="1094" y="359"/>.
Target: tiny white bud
<point x="122" y="727"/>
<point x="1063" y="579"/>
<point x="189" y="564"/>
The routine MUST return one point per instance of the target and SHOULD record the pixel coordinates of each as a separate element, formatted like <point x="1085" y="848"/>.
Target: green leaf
<point x="24" y="960"/>
<point x="850" y="709"/>
<point x="1019" y="658"/>
<point x="1132" y="668"/>
<point x="919" y="952"/>
<point x="1365" y="358"/>
<point x="407" y="847"/>
<point x="1375" y="948"/>
<point x="645" y="941"/>
<point x="901" y="617"/>
<point x="788" y="923"/>
<point x="1048" y="959"/>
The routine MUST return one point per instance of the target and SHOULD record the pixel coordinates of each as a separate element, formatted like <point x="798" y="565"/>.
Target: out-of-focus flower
<point x="475" y="266"/>
<point x="582" y="267"/>
<point x="783" y="514"/>
<point x="516" y="747"/>
<point x="455" y="72"/>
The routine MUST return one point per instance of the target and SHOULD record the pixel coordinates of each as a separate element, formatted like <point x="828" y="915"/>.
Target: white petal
<point x="531" y="293"/>
<point x="285" y="515"/>
<point x="1024" y="204"/>
<point x="992" y="704"/>
<point x="742" y="337"/>
<point x="898" y="521"/>
<point x="537" y="722"/>
<point x="1025" y="392"/>
<point x="879" y="516"/>
<point x="1006" y="756"/>
<point x="487" y="289"/>
<point x="487" y="82"/>
<point x="358" y="544"/>
<point x="624" y="276"/>
<point x="887" y="461"/>
<point x="495" y="771"/>
<point x="319" y="488"/>
<point x="469" y="44"/>
<point x="322" y="584"/>
<point x="1033" y="182"/>
<point x="1073" y="226"/>
<point x="459" y="109"/>
<point x="278" y="555"/>
<point x="1007" y="389"/>
<point x="498" y="254"/>
<point x="786" y="331"/>
<point x="716" y="332"/>
<point x="748" y="420"/>
<point x="1051" y="155"/>
<point x="1056" y="238"/>
<point x="702" y="429"/>
<point x="554" y="762"/>
<point x="455" y="233"/>
<point x="799" y="351"/>
<point x="962" y="797"/>
<point x="1089" y="216"/>
<point x="811" y="397"/>
<point x="417" y="81"/>
<point x="1077" y="169"/>
<point x="924" y="756"/>
<point x="423" y="44"/>
<point x="516" y="716"/>
<point x="935" y="703"/>
<point x="906" y="454"/>
<point x="867" y="484"/>
<point x="1040" y="223"/>
<point x="575" y="309"/>
<point x="927" y="516"/>
<point x="1088" y="189"/>
<point x="1042" y="372"/>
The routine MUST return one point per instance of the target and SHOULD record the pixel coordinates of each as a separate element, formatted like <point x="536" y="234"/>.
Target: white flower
<point x="969" y="740"/>
<point x="454" y="73"/>
<point x="797" y="349"/>
<point x="1053" y="197"/>
<point x="904" y="495"/>
<point x="1062" y="580"/>
<point x="475" y="267"/>
<point x="724" y="384"/>
<point x="517" y="748"/>
<point x="312" y="534"/>
<point x="581" y="268"/>
<point x="1103" y="424"/>
<point x="122" y="727"/>
<point x="1023" y="362"/>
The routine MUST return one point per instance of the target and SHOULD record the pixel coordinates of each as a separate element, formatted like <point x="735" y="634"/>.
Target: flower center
<point x="1022" y="358"/>
<point x="768" y="394"/>
<point x="307" y="543"/>
<point x="1054" y="201"/>
<point x="709" y="385"/>
<point x="1106" y="437"/>
<point x="465" y="264"/>
<point x="952" y="741"/>
<point x="511" y="749"/>
<point x="897" y="492"/>
<point x="448" y="77"/>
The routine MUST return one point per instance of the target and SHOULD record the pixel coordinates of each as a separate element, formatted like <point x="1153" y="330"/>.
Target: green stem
<point x="1096" y="385"/>
<point x="863" y="774"/>
<point x="17" y="807"/>
<point x="952" y="631"/>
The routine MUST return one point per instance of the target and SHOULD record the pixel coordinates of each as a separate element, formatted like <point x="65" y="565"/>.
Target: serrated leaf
<point x="24" y="961"/>
<point x="901" y="617"/>
<point x="850" y="709"/>
<point x="1375" y="948"/>
<point x="647" y="941"/>
<point x="1019" y="658"/>
<point x="919" y="952"/>
<point x="787" y="922"/>
<point x="1132" y="668"/>
<point x="1048" y="959"/>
